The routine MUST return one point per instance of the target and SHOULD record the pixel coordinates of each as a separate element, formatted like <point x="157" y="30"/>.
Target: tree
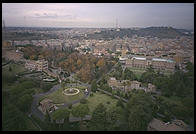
<point x="13" y="119"/>
<point x="98" y="121"/>
<point x="114" y="117"/>
<point x="120" y="104"/>
<point x="80" y="110"/>
<point x="83" y="101"/>
<point x="129" y="75"/>
<point x="101" y="63"/>
<point x="59" y="114"/>
<point x="10" y="69"/>
<point x="140" y="110"/>
<point x="94" y="86"/>
<point x="24" y="102"/>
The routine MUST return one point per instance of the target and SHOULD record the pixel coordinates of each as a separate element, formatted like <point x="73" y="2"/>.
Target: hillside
<point x="161" y="32"/>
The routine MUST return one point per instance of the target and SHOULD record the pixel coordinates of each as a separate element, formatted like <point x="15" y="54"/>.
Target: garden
<point x="59" y="97"/>
<point x="94" y="100"/>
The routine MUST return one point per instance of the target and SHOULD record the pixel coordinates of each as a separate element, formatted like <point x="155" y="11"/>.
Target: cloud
<point x="46" y="15"/>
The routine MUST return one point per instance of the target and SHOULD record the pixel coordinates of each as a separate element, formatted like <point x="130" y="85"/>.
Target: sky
<point x="99" y="15"/>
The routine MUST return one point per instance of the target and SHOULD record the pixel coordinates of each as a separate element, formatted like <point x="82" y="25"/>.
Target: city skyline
<point x="99" y="15"/>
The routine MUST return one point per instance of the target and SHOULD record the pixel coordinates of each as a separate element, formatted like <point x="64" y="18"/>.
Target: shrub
<point x="83" y="101"/>
<point x="91" y="94"/>
<point x="120" y="104"/>
<point x="70" y="106"/>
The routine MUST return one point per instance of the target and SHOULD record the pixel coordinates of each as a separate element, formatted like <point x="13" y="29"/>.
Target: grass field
<point x="98" y="98"/>
<point x="15" y="69"/>
<point x="59" y="97"/>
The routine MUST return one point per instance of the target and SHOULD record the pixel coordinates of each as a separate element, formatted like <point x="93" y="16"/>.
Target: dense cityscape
<point x="97" y="79"/>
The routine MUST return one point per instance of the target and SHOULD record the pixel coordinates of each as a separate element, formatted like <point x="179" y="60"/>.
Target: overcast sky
<point x="103" y="15"/>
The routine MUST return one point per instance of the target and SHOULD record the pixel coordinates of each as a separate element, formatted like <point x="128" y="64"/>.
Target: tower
<point x="3" y="24"/>
<point x="116" y="23"/>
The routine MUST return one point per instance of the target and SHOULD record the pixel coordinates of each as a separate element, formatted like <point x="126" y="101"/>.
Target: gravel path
<point x="38" y="113"/>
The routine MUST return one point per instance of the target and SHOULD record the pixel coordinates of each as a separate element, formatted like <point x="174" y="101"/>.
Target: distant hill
<point x="160" y="32"/>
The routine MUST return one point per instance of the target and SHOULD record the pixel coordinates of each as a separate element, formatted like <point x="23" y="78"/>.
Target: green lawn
<point x="8" y="74"/>
<point x="97" y="98"/>
<point x="59" y="97"/>
<point x="15" y="69"/>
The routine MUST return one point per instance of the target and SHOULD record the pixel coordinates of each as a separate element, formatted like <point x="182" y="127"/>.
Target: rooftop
<point x="139" y="58"/>
<point x="161" y="126"/>
<point x="157" y="59"/>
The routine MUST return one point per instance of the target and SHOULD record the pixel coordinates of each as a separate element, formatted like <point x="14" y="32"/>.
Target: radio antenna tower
<point x="116" y="23"/>
<point x="4" y="24"/>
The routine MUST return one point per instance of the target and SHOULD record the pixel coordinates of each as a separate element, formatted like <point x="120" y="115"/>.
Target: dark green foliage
<point x="8" y="78"/>
<point x="98" y="121"/>
<point x="10" y="68"/>
<point x="83" y="101"/>
<point x="46" y="86"/>
<point x="20" y="90"/>
<point x="94" y="86"/>
<point x="62" y="113"/>
<point x="105" y="87"/>
<point x="179" y="84"/>
<point x="129" y="75"/>
<point x="114" y="118"/>
<point x="70" y="106"/>
<point x="13" y="119"/>
<point x="80" y="110"/>
<point x="24" y="103"/>
<point x="91" y="94"/>
<point x="140" y="109"/>
<point x="120" y="104"/>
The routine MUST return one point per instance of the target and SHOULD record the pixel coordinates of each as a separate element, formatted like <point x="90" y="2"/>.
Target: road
<point x="36" y="97"/>
<point x="38" y="113"/>
<point x="34" y="106"/>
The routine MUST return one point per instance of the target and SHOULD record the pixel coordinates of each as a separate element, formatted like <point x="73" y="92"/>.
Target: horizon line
<point x="93" y="27"/>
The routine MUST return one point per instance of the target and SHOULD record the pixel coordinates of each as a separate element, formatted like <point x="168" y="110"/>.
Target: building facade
<point x="39" y="65"/>
<point x="42" y="65"/>
<point x="156" y="63"/>
<point x="158" y="125"/>
<point x="127" y="85"/>
<point x="30" y="65"/>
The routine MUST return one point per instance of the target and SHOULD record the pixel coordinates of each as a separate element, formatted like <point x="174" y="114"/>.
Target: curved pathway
<point x="34" y="106"/>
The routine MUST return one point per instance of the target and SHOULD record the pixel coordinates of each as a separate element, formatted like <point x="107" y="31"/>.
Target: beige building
<point x="30" y="65"/>
<point x="39" y="65"/>
<point x="112" y="82"/>
<point x="192" y="59"/>
<point x="135" y="85"/>
<point x="151" y="88"/>
<point x="42" y="65"/>
<point x="156" y="63"/>
<point x="158" y="125"/>
<point x="129" y="85"/>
